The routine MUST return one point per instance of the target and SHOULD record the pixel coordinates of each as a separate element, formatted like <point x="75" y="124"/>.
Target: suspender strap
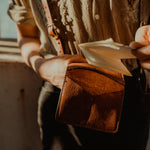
<point x="51" y="28"/>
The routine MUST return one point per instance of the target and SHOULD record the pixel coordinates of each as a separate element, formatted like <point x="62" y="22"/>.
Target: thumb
<point x="135" y="45"/>
<point x="142" y="35"/>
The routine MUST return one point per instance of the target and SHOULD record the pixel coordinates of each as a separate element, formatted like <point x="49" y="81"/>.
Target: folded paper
<point x="107" y="54"/>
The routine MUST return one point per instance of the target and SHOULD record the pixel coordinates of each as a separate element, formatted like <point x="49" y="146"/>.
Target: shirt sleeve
<point x="20" y="12"/>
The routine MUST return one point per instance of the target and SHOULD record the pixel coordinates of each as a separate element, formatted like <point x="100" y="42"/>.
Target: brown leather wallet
<point x="91" y="97"/>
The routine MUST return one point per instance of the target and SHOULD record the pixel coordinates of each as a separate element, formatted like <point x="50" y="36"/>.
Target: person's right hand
<point x="141" y="46"/>
<point x="54" y="69"/>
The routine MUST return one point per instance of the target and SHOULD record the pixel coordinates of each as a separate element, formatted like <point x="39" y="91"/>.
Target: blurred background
<point x="19" y="90"/>
<point x="7" y="26"/>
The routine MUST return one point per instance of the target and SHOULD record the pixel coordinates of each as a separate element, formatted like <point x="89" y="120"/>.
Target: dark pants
<point x="132" y="135"/>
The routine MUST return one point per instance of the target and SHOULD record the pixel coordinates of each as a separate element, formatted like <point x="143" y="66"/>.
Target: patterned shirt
<point x="90" y="20"/>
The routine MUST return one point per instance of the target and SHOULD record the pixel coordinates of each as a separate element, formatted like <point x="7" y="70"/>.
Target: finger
<point x="145" y="64"/>
<point x="135" y="45"/>
<point x="143" y="35"/>
<point x="142" y="53"/>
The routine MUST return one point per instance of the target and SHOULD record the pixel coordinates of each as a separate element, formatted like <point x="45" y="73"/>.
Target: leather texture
<point x="91" y="97"/>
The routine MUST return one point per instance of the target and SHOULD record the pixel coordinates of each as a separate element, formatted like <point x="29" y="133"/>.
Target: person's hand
<point x="141" y="46"/>
<point x="54" y="69"/>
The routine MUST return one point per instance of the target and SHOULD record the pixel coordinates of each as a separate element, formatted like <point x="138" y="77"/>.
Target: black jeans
<point x="132" y="134"/>
<point x="55" y="136"/>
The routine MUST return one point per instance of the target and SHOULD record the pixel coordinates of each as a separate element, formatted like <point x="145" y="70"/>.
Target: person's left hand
<point x="141" y="46"/>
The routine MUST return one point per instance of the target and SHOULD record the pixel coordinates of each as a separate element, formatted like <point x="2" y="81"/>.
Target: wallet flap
<point x="94" y="81"/>
<point x="111" y="74"/>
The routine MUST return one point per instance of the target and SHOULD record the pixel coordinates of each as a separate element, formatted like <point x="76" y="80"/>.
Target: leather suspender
<point x="51" y="28"/>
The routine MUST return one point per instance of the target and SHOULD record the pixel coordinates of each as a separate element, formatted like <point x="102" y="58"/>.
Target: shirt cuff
<point x="21" y="14"/>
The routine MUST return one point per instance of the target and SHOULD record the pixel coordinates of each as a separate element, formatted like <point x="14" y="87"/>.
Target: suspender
<point x="51" y="29"/>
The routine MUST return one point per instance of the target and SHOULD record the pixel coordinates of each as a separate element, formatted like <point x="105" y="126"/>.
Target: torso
<point x="92" y="20"/>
